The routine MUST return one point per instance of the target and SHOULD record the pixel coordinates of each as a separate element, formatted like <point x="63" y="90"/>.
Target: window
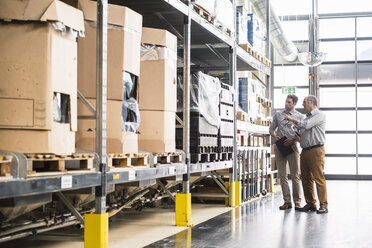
<point x="364" y="120"/>
<point x="364" y="27"/>
<point x="364" y="96"/>
<point x="338" y="50"/>
<point x="338" y="74"/>
<point x="365" y="166"/>
<point x="291" y="76"/>
<point x="337" y="6"/>
<point x="340" y="144"/>
<point x="298" y="7"/>
<point x="337" y="97"/>
<point x="337" y="28"/>
<point x="364" y="73"/>
<point x="340" y="120"/>
<point x="296" y="30"/>
<point x="364" y="50"/>
<point x="346" y="166"/>
<point x="364" y="143"/>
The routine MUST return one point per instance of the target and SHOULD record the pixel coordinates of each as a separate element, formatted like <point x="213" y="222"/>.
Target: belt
<point x="312" y="147"/>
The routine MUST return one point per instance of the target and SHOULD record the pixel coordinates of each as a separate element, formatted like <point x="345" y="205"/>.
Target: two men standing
<point x="310" y="132"/>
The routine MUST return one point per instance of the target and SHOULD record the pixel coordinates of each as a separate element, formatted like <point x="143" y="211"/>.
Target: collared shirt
<point x="313" y="129"/>
<point x="284" y="127"/>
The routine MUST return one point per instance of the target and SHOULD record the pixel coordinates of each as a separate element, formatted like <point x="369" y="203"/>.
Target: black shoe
<point x="322" y="210"/>
<point x="307" y="208"/>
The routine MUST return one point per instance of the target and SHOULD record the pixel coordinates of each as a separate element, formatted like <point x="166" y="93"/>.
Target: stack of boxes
<point x="242" y="25"/>
<point x="38" y="76"/>
<point x="123" y="68"/>
<point x="158" y="91"/>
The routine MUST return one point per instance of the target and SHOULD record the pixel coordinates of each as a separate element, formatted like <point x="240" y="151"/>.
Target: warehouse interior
<point x="154" y="123"/>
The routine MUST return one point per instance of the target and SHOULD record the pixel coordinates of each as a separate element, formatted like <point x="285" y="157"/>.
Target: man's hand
<point x="276" y="137"/>
<point x="288" y="142"/>
<point x="287" y="117"/>
<point x="297" y="138"/>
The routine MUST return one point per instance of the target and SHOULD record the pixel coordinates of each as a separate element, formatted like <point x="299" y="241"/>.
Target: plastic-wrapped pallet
<point x="225" y="14"/>
<point x="207" y="5"/>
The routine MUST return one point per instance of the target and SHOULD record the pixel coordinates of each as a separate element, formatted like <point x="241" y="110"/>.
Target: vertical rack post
<point x="183" y="201"/>
<point x="96" y="224"/>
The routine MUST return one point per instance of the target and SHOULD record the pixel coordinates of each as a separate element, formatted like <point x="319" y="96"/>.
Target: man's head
<point x="310" y="103"/>
<point x="290" y="102"/>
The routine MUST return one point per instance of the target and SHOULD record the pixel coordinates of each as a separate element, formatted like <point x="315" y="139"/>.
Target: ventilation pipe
<point x="282" y="44"/>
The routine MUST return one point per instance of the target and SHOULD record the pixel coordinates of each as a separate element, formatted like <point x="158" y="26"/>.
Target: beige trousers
<point x="293" y="160"/>
<point x="312" y="166"/>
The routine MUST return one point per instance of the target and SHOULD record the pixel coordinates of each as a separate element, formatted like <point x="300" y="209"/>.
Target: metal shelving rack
<point x="201" y="41"/>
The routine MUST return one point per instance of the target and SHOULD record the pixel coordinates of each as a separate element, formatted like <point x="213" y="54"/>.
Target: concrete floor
<point x="256" y="224"/>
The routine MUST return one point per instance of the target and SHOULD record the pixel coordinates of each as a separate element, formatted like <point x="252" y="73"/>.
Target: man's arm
<point x="273" y="134"/>
<point x="273" y="127"/>
<point x="316" y="120"/>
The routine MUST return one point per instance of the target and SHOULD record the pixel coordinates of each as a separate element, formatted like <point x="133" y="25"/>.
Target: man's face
<point x="289" y="104"/>
<point x="307" y="105"/>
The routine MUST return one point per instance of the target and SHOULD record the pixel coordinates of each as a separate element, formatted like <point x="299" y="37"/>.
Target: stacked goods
<point x="205" y="119"/>
<point x="255" y="33"/>
<point x="253" y="103"/>
<point x="224" y="12"/>
<point x="242" y="25"/>
<point x="38" y="76"/>
<point x="226" y="130"/>
<point x="158" y="91"/>
<point x="207" y="5"/>
<point x="123" y="69"/>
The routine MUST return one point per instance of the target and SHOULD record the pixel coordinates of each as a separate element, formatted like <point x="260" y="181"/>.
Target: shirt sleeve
<point x="314" y="121"/>
<point x="274" y="124"/>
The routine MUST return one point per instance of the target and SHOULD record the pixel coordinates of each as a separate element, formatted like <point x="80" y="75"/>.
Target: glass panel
<point x="364" y="73"/>
<point x="340" y="120"/>
<point x="340" y="144"/>
<point x="337" y="28"/>
<point x="296" y="30"/>
<point x="279" y="97"/>
<point x="364" y="143"/>
<point x="291" y="76"/>
<point x="365" y="97"/>
<point x="364" y="27"/>
<point x="364" y="50"/>
<point x="298" y="7"/>
<point x="337" y="74"/>
<point x="337" y="6"/>
<point x="345" y="166"/>
<point x="337" y="97"/>
<point x="365" y="166"/>
<point x="364" y="120"/>
<point x="338" y="50"/>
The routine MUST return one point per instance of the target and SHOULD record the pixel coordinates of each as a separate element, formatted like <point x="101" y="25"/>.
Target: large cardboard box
<point x="158" y="78"/>
<point x="123" y="49"/>
<point x="157" y="131"/>
<point x="117" y="140"/>
<point x="38" y="75"/>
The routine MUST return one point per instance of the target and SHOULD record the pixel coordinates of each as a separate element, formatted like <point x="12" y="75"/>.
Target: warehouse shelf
<point x="248" y="62"/>
<point x="204" y="167"/>
<point x="252" y="128"/>
<point x="32" y="186"/>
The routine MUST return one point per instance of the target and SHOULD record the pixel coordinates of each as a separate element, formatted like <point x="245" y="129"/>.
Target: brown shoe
<point x="297" y="206"/>
<point x="285" y="206"/>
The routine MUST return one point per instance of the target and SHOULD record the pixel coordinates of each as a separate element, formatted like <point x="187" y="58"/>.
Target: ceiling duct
<point x="281" y="43"/>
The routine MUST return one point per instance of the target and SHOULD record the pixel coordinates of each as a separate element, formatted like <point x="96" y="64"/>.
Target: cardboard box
<point x="157" y="131"/>
<point x="117" y="140"/>
<point x="158" y="79"/>
<point x="59" y="141"/>
<point x="38" y="76"/>
<point x="123" y="49"/>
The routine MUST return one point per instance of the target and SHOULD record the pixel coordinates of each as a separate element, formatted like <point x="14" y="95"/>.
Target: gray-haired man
<point x="280" y="128"/>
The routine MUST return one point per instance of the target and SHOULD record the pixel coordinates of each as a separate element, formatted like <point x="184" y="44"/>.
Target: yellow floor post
<point x="237" y="193"/>
<point x="183" y="209"/>
<point x="271" y="183"/>
<point x="96" y="230"/>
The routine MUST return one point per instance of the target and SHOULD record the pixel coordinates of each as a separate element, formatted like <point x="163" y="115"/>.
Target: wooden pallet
<point x="223" y="29"/>
<point x="242" y="116"/>
<point x="5" y="166"/>
<point x="167" y="157"/>
<point x="120" y="160"/>
<point x="204" y="13"/>
<point x="248" y="48"/>
<point x="46" y="163"/>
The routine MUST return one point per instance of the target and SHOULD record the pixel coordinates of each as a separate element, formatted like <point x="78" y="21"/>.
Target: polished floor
<point x="262" y="224"/>
<point x="259" y="223"/>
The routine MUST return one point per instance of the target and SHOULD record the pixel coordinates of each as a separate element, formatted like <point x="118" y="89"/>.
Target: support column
<point x="96" y="224"/>
<point x="183" y="201"/>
